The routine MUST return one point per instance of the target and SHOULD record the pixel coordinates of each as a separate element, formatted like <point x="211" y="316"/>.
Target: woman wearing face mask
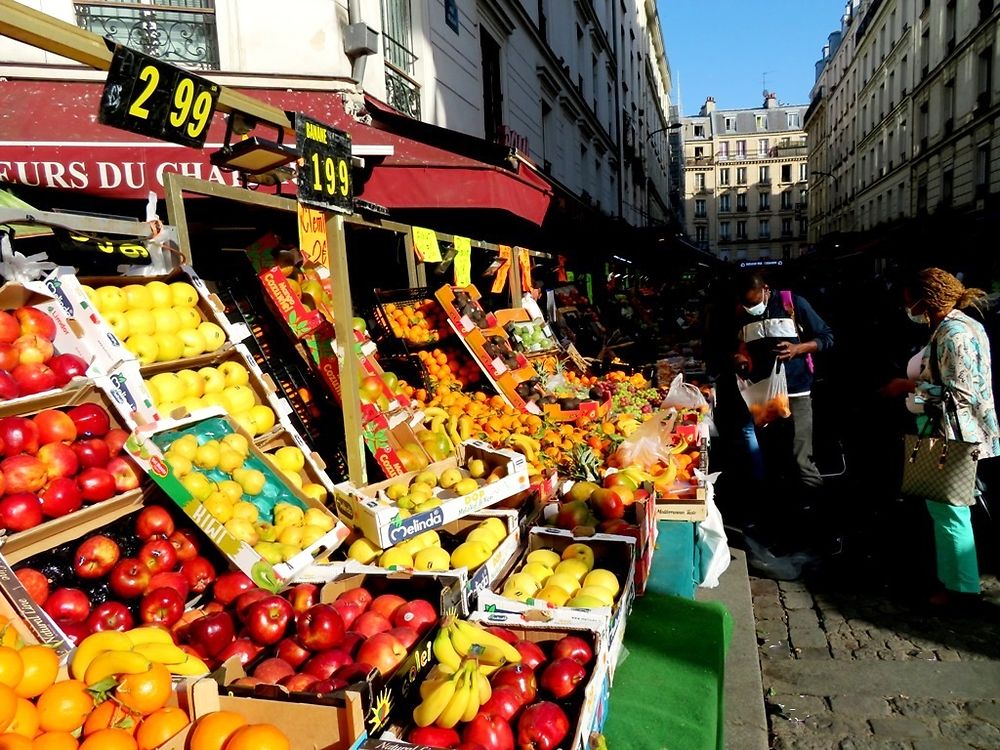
<point x="961" y="368"/>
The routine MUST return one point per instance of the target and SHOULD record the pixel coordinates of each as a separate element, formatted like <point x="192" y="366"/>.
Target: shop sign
<point x="324" y="179"/>
<point x="312" y="235"/>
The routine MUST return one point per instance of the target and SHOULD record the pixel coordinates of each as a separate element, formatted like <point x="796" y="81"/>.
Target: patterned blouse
<point x="963" y="353"/>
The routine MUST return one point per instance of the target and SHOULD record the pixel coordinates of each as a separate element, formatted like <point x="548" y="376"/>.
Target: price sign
<point x="312" y="235"/>
<point x="324" y="165"/>
<point x="463" y="261"/>
<point x="153" y="98"/>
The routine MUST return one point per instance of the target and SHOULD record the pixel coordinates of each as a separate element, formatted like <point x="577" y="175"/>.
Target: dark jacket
<point x="760" y="334"/>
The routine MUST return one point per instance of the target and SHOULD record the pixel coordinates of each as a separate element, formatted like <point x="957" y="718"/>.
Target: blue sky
<point x="721" y="48"/>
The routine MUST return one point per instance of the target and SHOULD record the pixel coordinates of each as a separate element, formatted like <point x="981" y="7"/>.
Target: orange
<point x="110" y="715"/>
<point x="11" y="741"/>
<point x="41" y="665"/>
<point x="25" y="721"/>
<point x="64" y="706"/>
<point x="211" y="732"/>
<point x="109" y="739"/>
<point x="147" y="691"/>
<point x="8" y="706"/>
<point x="11" y="666"/>
<point x="258" y="737"/>
<point x="54" y="741"/>
<point x="160" y="726"/>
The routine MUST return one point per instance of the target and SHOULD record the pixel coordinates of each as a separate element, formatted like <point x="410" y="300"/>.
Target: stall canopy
<point x="50" y="137"/>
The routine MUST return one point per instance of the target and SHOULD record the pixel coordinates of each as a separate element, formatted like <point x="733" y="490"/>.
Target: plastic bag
<point x="650" y="443"/>
<point x="712" y="545"/>
<point x="684" y="396"/>
<point x="767" y="399"/>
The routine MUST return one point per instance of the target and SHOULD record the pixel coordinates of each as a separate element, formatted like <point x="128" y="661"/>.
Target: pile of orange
<point x="228" y="730"/>
<point x="448" y="369"/>
<point x="419" y="324"/>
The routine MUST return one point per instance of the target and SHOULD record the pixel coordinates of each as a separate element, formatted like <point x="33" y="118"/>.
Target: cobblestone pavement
<point x="851" y="665"/>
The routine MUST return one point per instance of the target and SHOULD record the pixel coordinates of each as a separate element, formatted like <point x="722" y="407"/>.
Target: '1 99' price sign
<point x="324" y="179"/>
<point x="153" y="98"/>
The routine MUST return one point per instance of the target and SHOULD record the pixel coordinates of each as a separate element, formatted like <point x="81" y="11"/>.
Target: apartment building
<point x="902" y="122"/>
<point x="746" y="180"/>
<point x="579" y="90"/>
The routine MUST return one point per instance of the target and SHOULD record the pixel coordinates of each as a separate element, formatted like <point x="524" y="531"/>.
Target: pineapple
<point x="585" y="464"/>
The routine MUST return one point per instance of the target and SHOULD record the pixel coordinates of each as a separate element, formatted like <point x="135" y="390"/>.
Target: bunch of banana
<point x="112" y="653"/>
<point x="452" y="697"/>
<point x="627" y="424"/>
<point x="526" y="445"/>
<point x="458" y="640"/>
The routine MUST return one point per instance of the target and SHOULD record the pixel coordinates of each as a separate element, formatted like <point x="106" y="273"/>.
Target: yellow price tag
<point x="463" y="261"/>
<point x="312" y="236"/>
<point x="426" y="244"/>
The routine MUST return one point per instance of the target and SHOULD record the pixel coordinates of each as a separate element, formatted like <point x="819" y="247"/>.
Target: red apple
<point x="268" y="620"/>
<point x="185" y="544"/>
<point x="433" y="737"/>
<point x="34" y="350"/>
<point x="386" y="604"/>
<point x="608" y="504"/>
<point x="298" y="683"/>
<point x="8" y="386"/>
<point x="158" y="556"/>
<point x="370" y="623"/>
<point x="230" y="585"/>
<point x="542" y="727"/>
<point x="10" y="328"/>
<point x="292" y="652"/>
<point x="531" y="654"/>
<point x="69" y="605"/>
<point x="36" y="322"/>
<point x="519" y="677"/>
<point x="273" y="670"/>
<point x="169" y="579"/>
<point x="212" y="633"/>
<point x="505" y="701"/>
<point x="246" y="600"/>
<point x="507" y="635"/>
<point x="75" y="631"/>
<point x="489" y="730"/>
<point x="199" y="573"/>
<point x="115" y="440"/>
<point x="23" y="474"/>
<point x="161" y="606"/>
<point x="383" y="652"/>
<point x="419" y="614"/>
<point x="153" y="522"/>
<point x="61" y="497"/>
<point x="129" y="578"/>
<point x="60" y="460"/>
<point x="180" y="628"/>
<point x="35" y="583"/>
<point x="573" y="647"/>
<point x="125" y="472"/>
<point x="9" y="356"/>
<point x="327" y="686"/>
<point x="96" y="484"/>
<point x="357" y="672"/>
<point x="319" y="628"/>
<point x="54" y="426"/>
<point x="561" y="677"/>
<point x="91" y="453"/>
<point x="352" y="642"/>
<point x="110" y="616"/>
<point x="359" y="595"/>
<point x="20" y="511"/>
<point x="18" y="435"/>
<point x="303" y="596"/>
<point x="91" y="420"/>
<point x="349" y="611"/>
<point x="243" y="649"/>
<point x="325" y="663"/>
<point x="66" y="367"/>
<point x="33" y="378"/>
<point x="95" y="557"/>
<point x="406" y="636"/>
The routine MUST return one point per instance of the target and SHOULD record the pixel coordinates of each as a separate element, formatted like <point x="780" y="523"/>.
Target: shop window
<point x="401" y="90"/>
<point x="176" y="31"/>
<point x="492" y="88"/>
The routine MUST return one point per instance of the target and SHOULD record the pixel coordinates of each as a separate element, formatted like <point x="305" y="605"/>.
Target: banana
<point x="437" y="424"/>
<point x="488" y="669"/>
<point x="433" y="412"/>
<point x="93" y="646"/>
<point x="112" y="663"/>
<point x="478" y="635"/>
<point x="455" y="710"/>
<point x="526" y="444"/>
<point x="148" y="635"/>
<point x="459" y="641"/>
<point x="431" y="707"/>
<point x="485" y="689"/>
<point x="453" y="429"/>
<point x="472" y="707"/>
<point x="465" y="425"/>
<point x="440" y="672"/>
<point x="637" y="475"/>
<point x="192" y="666"/>
<point x="444" y="650"/>
<point x="166" y="654"/>
<point x="429" y="686"/>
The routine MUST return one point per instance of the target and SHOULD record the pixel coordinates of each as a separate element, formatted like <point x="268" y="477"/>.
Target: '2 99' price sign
<point x="324" y="179"/>
<point x="153" y="98"/>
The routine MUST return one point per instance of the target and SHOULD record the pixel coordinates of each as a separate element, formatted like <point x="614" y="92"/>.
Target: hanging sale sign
<point x="312" y="236"/>
<point x="425" y="243"/>
<point x="524" y="261"/>
<point x="463" y="261"/>
<point x="500" y="280"/>
<point x="324" y="179"/>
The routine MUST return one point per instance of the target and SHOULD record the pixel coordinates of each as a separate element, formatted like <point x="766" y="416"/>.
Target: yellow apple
<point x="219" y="506"/>
<point x="144" y="347"/>
<point x="432" y="558"/>
<point x="320" y="518"/>
<point x="167" y="408"/>
<point x="237" y="442"/>
<point x="140" y="321"/>
<point x="574" y="568"/>
<point x="246" y="511"/>
<point x="213" y="399"/>
<point x="185" y="446"/>
<point x="231" y="489"/>
<point x="215" y="382"/>
<point x="166" y="320"/>
<point x="251" y="480"/>
<point x="363" y="551"/>
<point x="110" y="299"/>
<point x="153" y="393"/>
<point x="214" y="336"/>
<point x="239" y="398"/>
<point x="581" y="552"/>
<point x="117" y="323"/>
<point x="194" y="342"/>
<point x="90" y="292"/>
<point x="207" y="456"/>
<point x="235" y="373"/>
<point x="311" y="535"/>
<point x="198" y="485"/>
<point x="290" y="458"/>
<point x="168" y="386"/>
<point x="137" y="297"/>
<point x="192" y="382"/>
<point x="192" y="404"/>
<point x="291" y="535"/>
<point x="395" y="558"/>
<point x="604" y="579"/>
<point x="160" y="293"/>
<point x="170" y="347"/>
<point x="189" y="317"/>
<point x="262" y="418"/>
<point x="242" y="530"/>
<point x="315" y="491"/>
<point x="178" y="464"/>
<point x="183" y="294"/>
<point x="230" y="460"/>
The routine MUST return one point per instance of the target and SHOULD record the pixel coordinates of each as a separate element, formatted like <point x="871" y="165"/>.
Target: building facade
<point x="582" y="89"/>
<point x="903" y="118"/>
<point x="746" y="180"/>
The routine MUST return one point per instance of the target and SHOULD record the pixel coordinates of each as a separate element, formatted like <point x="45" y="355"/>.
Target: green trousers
<point x="957" y="567"/>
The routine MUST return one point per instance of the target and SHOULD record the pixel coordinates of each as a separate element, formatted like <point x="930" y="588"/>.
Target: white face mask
<point x="921" y="318"/>
<point x="759" y="308"/>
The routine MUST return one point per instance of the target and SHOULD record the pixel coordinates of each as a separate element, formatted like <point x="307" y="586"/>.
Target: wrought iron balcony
<point x="181" y="33"/>
<point x="401" y="91"/>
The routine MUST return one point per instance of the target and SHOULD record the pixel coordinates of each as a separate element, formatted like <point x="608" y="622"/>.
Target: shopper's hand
<point x="742" y="363"/>
<point x="786" y="350"/>
<point x="898" y="387"/>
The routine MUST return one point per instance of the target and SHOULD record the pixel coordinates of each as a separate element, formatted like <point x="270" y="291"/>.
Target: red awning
<point x="50" y="137"/>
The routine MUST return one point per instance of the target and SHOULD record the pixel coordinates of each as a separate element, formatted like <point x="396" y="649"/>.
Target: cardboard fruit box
<point x="384" y="699"/>
<point x="393" y="443"/>
<point x="449" y="296"/>
<point x="314" y="469"/>
<point x="31" y="622"/>
<point x="614" y="553"/>
<point x="143" y="446"/>
<point x="367" y="510"/>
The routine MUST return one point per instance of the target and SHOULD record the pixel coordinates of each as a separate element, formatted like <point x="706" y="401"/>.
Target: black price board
<point x="153" y="98"/>
<point x="324" y="179"/>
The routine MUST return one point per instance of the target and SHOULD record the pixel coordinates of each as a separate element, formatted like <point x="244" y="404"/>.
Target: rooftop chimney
<point x="708" y="107"/>
<point x="770" y="100"/>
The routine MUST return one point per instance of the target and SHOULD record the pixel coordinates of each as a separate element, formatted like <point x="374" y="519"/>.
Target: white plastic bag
<point x="684" y="396"/>
<point x="767" y="399"/>
<point x="650" y="443"/>
<point x="713" y="544"/>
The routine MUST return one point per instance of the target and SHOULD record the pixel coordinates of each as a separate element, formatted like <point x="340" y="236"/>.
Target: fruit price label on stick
<point x="324" y="179"/>
<point x="425" y="242"/>
<point x="312" y="235"/>
<point x="153" y="98"/>
<point x="500" y="281"/>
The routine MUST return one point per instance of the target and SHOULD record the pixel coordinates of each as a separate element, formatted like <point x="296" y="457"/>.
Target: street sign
<point x="324" y="179"/>
<point x="150" y="97"/>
